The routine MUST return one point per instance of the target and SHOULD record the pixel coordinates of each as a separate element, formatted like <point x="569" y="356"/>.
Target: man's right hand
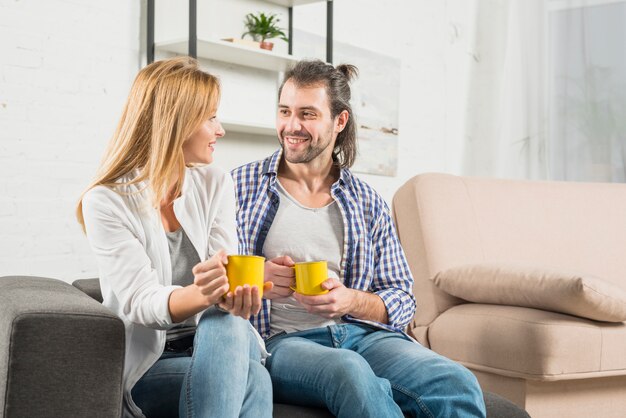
<point x="280" y="271"/>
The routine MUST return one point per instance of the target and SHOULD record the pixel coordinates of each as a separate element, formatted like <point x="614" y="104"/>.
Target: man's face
<point x="304" y="124"/>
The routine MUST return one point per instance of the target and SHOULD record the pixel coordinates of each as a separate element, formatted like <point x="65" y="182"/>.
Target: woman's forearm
<point x="186" y="302"/>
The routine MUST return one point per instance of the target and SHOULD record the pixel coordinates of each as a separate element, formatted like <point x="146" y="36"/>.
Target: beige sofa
<point x="552" y="364"/>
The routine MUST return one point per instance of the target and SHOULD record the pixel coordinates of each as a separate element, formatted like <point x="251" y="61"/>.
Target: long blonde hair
<point x="168" y="101"/>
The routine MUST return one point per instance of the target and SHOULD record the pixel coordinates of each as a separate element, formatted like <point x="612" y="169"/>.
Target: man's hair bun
<point x="348" y="70"/>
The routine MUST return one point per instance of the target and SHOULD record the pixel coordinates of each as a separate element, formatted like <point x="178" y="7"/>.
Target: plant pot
<point x="267" y="45"/>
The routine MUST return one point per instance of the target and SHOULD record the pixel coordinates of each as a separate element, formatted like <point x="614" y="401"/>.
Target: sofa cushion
<point x="529" y="343"/>
<point x="535" y="287"/>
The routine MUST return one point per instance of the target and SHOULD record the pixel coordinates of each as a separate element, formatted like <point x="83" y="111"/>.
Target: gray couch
<point x="62" y="354"/>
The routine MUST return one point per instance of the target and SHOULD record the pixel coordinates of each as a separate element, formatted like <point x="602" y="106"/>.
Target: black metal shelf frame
<point x="193" y="30"/>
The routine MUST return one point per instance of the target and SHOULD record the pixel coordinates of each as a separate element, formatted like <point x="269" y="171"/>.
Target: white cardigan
<point x="128" y="239"/>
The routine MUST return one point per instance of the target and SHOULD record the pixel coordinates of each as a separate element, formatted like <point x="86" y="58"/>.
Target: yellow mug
<point x="310" y="276"/>
<point x="245" y="269"/>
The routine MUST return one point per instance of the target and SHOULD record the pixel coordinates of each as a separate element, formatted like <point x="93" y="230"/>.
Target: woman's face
<point x="198" y="148"/>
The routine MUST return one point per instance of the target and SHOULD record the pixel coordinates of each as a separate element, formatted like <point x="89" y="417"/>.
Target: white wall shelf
<point x="249" y="128"/>
<point x="292" y="3"/>
<point x="232" y="53"/>
<point x="192" y="46"/>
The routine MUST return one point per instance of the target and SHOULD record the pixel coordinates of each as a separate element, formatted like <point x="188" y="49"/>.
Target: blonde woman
<point x="160" y="220"/>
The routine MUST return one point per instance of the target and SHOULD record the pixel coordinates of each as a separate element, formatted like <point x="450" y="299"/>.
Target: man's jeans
<point x="220" y="377"/>
<point x="360" y="371"/>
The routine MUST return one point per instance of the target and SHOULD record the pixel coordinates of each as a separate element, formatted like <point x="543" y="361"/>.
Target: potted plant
<point x="261" y="27"/>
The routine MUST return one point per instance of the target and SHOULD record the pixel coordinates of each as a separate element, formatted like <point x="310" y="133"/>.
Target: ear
<point x="341" y="121"/>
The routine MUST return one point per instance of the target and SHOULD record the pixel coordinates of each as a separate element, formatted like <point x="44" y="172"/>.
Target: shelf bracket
<point x="150" y="33"/>
<point x="290" y="31"/>
<point x="329" y="31"/>
<point x="193" y="28"/>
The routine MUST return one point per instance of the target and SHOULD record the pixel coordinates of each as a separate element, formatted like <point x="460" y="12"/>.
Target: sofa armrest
<point x="90" y="287"/>
<point x="61" y="352"/>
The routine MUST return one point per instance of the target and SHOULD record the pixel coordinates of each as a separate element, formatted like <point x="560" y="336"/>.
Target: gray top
<point x="304" y="234"/>
<point x="184" y="257"/>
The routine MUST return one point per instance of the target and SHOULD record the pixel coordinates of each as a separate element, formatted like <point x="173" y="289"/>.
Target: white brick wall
<point x="65" y="71"/>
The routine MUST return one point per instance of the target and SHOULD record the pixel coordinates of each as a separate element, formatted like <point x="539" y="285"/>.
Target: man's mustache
<point x="299" y="134"/>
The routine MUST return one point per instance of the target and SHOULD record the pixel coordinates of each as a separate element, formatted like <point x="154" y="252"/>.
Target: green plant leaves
<point x="261" y="27"/>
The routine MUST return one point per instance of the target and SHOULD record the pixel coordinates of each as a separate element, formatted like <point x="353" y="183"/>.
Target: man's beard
<point x="310" y="152"/>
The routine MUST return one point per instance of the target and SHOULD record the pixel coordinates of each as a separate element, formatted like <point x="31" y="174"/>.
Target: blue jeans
<point x="360" y="371"/>
<point x="220" y="377"/>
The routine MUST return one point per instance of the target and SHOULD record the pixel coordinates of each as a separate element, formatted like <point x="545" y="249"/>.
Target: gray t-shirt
<point x="304" y="234"/>
<point x="184" y="257"/>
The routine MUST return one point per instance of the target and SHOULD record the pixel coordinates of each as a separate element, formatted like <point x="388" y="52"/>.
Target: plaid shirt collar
<point x="270" y="168"/>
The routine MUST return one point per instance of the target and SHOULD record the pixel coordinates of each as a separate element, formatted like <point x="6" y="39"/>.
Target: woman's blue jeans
<point x="360" y="371"/>
<point x="220" y="377"/>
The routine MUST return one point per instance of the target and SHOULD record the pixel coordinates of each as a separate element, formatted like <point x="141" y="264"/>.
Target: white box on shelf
<point x="245" y="42"/>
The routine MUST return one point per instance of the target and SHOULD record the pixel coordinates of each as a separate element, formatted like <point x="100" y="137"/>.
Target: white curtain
<point x="546" y="92"/>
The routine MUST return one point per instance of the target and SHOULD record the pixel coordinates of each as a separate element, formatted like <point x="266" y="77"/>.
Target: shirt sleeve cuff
<point x="162" y="306"/>
<point x="393" y="304"/>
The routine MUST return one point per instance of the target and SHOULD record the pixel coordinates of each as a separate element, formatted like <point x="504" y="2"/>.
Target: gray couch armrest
<point x="61" y="352"/>
<point x="89" y="287"/>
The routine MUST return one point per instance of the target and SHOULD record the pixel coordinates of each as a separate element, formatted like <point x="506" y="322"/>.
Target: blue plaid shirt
<point x="372" y="258"/>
